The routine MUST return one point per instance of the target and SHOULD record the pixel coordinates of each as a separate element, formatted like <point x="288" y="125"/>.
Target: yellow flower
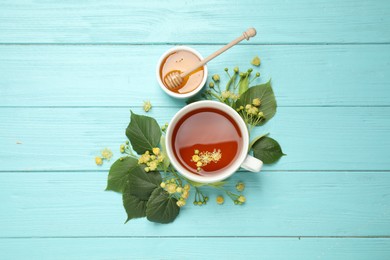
<point x="195" y="158"/>
<point x="180" y="203"/>
<point x="147" y="106"/>
<point x="196" y="152"/>
<point x="241" y="199"/>
<point x="106" y="154"/>
<point x="171" y="188"/>
<point x="187" y="187"/>
<point x="156" y="151"/>
<point x="256" y="61"/>
<point x="220" y="200"/>
<point x="179" y="189"/>
<point x="145" y="158"/>
<point x="162" y="185"/>
<point x="198" y="164"/>
<point x="185" y="194"/>
<point x="153" y="165"/>
<point x="98" y="160"/>
<point x="256" y="102"/>
<point x="240" y="186"/>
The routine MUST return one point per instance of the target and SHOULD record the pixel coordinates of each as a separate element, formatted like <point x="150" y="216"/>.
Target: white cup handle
<point x="252" y="164"/>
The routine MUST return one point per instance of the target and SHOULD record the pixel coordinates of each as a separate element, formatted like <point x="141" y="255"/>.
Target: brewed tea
<point x="206" y="141"/>
<point x="181" y="61"/>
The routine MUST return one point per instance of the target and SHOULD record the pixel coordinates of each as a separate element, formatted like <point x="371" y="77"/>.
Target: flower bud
<point x="211" y="84"/>
<point x="236" y="70"/>
<point x="98" y="160"/>
<point x="162" y="185"/>
<point x="241" y="199"/>
<point x="216" y="77"/>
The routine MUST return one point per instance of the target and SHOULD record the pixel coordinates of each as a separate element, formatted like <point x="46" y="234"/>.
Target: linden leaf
<point x="161" y="208"/>
<point x="266" y="95"/>
<point x="143" y="132"/>
<point x="267" y="150"/>
<point x="119" y="173"/>
<point x="142" y="184"/>
<point x="135" y="207"/>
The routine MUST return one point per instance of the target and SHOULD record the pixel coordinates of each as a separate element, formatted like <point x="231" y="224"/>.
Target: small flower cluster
<point x="229" y="95"/>
<point x="204" y="158"/>
<point x="238" y="199"/>
<point x="175" y="189"/>
<point x="152" y="160"/>
<point x="200" y="198"/>
<point x="106" y="154"/>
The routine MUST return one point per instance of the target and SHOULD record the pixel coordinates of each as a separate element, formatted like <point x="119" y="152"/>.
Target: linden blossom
<point x="206" y="157"/>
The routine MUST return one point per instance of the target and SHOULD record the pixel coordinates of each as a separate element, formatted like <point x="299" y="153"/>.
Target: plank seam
<point x="191" y="237"/>
<point x="191" y="43"/>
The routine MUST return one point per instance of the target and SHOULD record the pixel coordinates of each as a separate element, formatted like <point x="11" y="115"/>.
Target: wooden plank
<point x="125" y="75"/>
<point x="277" y="21"/>
<point x="319" y="138"/>
<point x="74" y="204"/>
<point x="195" y="248"/>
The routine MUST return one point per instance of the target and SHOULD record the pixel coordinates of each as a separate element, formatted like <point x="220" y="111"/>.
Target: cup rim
<point x="178" y="95"/>
<point x="216" y="105"/>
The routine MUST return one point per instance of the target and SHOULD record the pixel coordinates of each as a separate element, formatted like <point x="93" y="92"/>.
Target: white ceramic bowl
<point x="174" y="94"/>
<point x="243" y="160"/>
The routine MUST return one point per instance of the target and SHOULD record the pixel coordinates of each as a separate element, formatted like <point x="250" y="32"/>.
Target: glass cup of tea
<point x="180" y="59"/>
<point x="208" y="141"/>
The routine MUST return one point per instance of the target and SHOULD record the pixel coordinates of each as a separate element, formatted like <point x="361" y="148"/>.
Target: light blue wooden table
<point x="71" y="70"/>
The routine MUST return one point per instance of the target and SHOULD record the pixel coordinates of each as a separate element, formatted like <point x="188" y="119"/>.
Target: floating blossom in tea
<point x="205" y="157"/>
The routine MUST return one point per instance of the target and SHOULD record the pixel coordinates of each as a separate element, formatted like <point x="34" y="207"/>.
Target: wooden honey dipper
<point x="174" y="79"/>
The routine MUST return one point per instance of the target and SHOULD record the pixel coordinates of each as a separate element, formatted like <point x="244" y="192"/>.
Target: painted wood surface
<point x="314" y="138"/>
<point x="140" y="22"/>
<point x="326" y="204"/>
<point x="196" y="248"/>
<point x="342" y="75"/>
<point x="71" y="71"/>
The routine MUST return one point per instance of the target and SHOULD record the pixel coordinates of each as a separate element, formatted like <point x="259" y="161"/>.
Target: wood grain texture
<point x="74" y="204"/>
<point x="278" y="21"/>
<point x="320" y="138"/>
<point x="125" y="75"/>
<point x="196" y="248"/>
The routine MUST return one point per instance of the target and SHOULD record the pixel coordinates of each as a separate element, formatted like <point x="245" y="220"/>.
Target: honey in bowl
<point x="206" y="141"/>
<point x="182" y="60"/>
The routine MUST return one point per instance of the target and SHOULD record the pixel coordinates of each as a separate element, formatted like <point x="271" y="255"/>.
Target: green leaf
<point x="243" y="84"/>
<point x="119" y="173"/>
<point x="161" y="208"/>
<point x="267" y="149"/>
<point x="255" y="140"/>
<point x="266" y="95"/>
<point x="135" y="207"/>
<point x="143" y="183"/>
<point x="231" y="82"/>
<point x="143" y="132"/>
